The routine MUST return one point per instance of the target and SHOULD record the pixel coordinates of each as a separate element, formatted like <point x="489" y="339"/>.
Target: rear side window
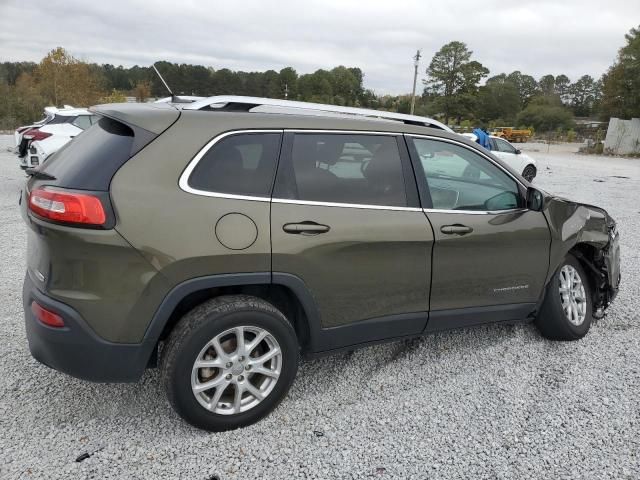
<point x="242" y="164"/>
<point x="90" y="160"/>
<point x="344" y="168"/>
<point x="83" y="121"/>
<point x="61" y="119"/>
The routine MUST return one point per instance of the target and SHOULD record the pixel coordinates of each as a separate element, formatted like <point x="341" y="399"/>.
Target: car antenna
<point x="173" y="97"/>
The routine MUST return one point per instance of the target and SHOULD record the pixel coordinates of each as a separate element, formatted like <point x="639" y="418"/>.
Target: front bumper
<point x="612" y="265"/>
<point x="75" y="349"/>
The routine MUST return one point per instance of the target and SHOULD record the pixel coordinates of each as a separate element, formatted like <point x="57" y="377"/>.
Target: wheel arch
<point x="286" y="292"/>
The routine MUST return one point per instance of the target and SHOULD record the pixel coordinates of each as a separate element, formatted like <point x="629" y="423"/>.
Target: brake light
<point x="68" y="207"/>
<point x="47" y="317"/>
<point x="36" y="134"/>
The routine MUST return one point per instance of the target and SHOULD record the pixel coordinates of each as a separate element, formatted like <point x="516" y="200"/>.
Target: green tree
<point x="546" y="114"/>
<point x="583" y="95"/>
<point x="453" y="78"/>
<point x="547" y="85"/>
<point x="526" y="85"/>
<point x="621" y="83"/>
<point x="561" y="87"/>
<point x="498" y="98"/>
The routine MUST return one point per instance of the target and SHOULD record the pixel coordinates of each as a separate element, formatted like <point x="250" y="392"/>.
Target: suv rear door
<point x="345" y="221"/>
<point x="491" y="254"/>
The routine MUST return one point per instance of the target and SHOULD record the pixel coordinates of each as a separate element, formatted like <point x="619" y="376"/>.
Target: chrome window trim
<point x="341" y="132"/>
<point x="346" y="205"/>
<point x="460" y="144"/>
<point x="183" y="182"/>
<point x="476" y="212"/>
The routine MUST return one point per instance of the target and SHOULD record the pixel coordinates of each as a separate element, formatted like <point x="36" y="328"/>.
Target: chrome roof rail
<point x="236" y="103"/>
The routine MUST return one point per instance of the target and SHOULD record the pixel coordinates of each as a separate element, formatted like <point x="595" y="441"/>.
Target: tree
<point x="65" y="80"/>
<point x="499" y="98"/>
<point x="583" y="94"/>
<point x="453" y="78"/>
<point x="526" y="85"/>
<point x="545" y="114"/>
<point x="621" y="83"/>
<point x="561" y="87"/>
<point x="547" y="85"/>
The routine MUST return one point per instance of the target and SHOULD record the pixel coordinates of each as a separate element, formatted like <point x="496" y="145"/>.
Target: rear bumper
<point x="75" y="349"/>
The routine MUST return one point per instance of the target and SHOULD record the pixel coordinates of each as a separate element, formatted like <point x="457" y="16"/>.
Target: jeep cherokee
<point x="221" y="238"/>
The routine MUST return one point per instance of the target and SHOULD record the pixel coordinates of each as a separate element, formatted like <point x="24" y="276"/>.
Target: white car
<point x="520" y="162"/>
<point x="43" y="141"/>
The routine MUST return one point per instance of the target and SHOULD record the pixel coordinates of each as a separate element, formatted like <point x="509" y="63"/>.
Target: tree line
<point x="457" y="88"/>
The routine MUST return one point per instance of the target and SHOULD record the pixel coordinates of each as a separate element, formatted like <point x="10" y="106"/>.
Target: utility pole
<point x="416" y="63"/>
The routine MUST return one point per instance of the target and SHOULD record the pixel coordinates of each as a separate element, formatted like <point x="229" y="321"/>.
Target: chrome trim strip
<point x="341" y="132"/>
<point x="476" y="212"/>
<point x="346" y="205"/>
<point x="482" y="154"/>
<point x="183" y="182"/>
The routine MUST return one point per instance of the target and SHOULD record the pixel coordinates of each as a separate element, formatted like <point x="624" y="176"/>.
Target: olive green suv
<point x="222" y="238"/>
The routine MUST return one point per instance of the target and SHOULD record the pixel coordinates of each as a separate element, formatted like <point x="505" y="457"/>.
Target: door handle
<point x="455" y="229"/>
<point x="305" y="228"/>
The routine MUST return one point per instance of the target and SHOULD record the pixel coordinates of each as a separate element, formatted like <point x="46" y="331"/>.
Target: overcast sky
<point x="380" y="37"/>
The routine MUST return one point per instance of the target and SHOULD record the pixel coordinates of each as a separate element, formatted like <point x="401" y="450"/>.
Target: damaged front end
<point x="590" y="234"/>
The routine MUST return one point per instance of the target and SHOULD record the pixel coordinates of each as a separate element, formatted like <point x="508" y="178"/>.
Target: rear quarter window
<point x="240" y="164"/>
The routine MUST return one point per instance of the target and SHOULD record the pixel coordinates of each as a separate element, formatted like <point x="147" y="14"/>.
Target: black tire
<point x="201" y="325"/>
<point x="552" y="321"/>
<point x="529" y="173"/>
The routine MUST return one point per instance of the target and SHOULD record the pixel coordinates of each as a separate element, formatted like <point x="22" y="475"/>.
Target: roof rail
<point x="233" y="102"/>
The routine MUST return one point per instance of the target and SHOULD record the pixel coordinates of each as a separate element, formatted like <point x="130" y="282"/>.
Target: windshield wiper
<point x="39" y="175"/>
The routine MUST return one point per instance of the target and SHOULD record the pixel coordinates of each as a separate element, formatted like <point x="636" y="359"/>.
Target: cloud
<point x="380" y="37"/>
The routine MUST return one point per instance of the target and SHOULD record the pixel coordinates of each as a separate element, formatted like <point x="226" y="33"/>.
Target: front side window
<point x="345" y="168"/>
<point x="242" y="164"/>
<point x="461" y="179"/>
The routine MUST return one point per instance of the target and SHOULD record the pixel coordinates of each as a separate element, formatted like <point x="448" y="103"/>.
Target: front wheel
<point x="566" y="312"/>
<point x="229" y="362"/>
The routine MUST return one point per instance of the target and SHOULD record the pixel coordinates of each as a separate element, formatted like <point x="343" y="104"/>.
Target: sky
<point x="380" y="37"/>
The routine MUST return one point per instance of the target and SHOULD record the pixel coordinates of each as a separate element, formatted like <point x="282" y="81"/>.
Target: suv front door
<point x="491" y="254"/>
<point x="346" y="222"/>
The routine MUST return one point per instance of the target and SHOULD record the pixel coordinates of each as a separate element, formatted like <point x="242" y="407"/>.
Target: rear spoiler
<point x="155" y="118"/>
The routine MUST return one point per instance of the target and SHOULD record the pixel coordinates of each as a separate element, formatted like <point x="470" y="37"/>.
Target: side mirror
<point x="535" y="199"/>
<point x="518" y="151"/>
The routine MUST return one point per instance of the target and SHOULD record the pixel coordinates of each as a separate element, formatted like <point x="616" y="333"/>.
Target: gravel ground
<point x="492" y="402"/>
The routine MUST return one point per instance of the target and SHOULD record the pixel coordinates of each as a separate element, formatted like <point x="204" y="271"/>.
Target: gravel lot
<point x="492" y="402"/>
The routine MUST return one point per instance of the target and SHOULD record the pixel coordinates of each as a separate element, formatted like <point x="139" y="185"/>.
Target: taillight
<point x="47" y="317"/>
<point x="67" y="207"/>
<point x="36" y="134"/>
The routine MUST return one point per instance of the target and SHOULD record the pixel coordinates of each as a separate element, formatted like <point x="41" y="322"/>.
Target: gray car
<point x="222" y="238"/>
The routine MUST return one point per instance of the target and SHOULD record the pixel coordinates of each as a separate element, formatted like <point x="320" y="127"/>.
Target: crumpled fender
<point x="571" y="223"/>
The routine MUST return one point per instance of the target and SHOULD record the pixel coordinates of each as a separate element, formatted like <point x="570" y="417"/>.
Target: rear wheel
<point x="529" y="173"/>
<point x="229" y="362"/>
<point x="566" y="312"/>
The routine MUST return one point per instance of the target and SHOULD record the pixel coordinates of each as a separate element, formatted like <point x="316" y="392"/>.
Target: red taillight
<point x="66" y="207"/>
<point x="36" y="134"/>
<point x="47" y="317"/>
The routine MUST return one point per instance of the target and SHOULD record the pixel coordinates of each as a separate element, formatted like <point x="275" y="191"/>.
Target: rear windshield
<point x="91" y="159"/>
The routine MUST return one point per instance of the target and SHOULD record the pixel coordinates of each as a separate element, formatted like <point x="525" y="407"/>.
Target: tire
<point x="552" y="320"/>
<point x="193" y="338"/>
<point x="529" y="173"/>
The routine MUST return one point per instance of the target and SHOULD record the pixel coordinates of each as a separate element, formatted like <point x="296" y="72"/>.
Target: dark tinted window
<point x="90" y="160"/>
<point x="345" y="168"/>
<point x="242" y="164"/>
<point x="61" y="119"/>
